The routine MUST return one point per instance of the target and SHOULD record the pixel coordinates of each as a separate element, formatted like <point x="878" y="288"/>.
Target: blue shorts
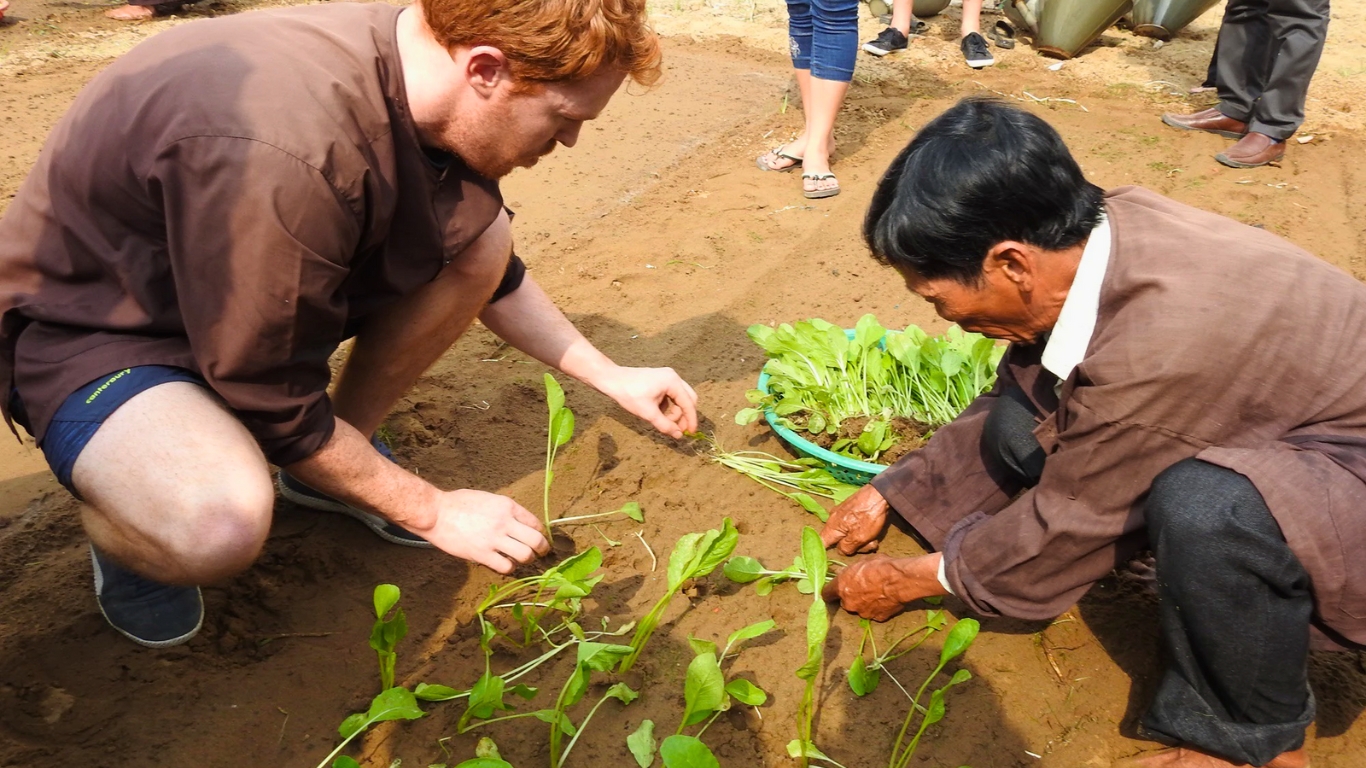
<point x="82" y="413"/>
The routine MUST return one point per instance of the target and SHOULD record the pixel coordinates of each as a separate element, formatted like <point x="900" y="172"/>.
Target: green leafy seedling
<point x="392" y="704"/>
<point x="807" y="751"/>
<point x="694" y="556"/>
<point x="864" y="676"/>
<point x="630" y="510"/>
<point x="387" y="632"/>
<point x="817" y="627"/>
<point x="687" y="752"/>
<point x="746" y="570"/>
<point x="955" y="644"/>
<point x="643" y="744"/>
<point x="560" y="431"/>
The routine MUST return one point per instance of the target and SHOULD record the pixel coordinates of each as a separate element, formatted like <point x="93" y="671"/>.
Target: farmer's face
<point x="1018" y="298"/>
<point x="517" y="126"/>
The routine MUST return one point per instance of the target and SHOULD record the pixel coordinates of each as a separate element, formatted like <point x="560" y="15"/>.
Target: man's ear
<point x="1014" y="261"/>
<point x="486" y="68"/>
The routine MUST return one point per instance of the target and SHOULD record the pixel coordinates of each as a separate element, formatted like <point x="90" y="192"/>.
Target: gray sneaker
<point x="148" y="613"/>
<point x="975" y="51"/>
<point x="295" y="491"/>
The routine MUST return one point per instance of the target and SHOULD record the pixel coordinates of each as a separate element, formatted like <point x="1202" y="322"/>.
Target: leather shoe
<point x="1210" y="121"/>
<point x="1251" y="151"/>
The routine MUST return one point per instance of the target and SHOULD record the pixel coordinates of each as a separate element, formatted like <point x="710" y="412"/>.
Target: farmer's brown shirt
<point x="233" y="196"/>
<point x="1214" y="340"/>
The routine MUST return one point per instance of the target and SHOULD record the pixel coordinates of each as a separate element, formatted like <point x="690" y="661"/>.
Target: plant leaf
<point x="386" y="597"/>
<point x="487" y="748"/>
<point x="686" y="752"/>
<point x="742" y="570"/>
<point x="524" y="691"/>
<point x="562" y="427"/>
<point x="622" y="693"/>
<point x="720" y="548"/>
<point x="642" y="744"/>
<point x="352" y="724"/>
<point x="486" y="696"/>
<point x="817" y="626"/>
<point x="681" y="558"/>
<point x="747" y="416"/>
<point x="811" y="505"/>
<point x="485" y="762"/>
<point x="632" y="510"/>
<point x="554" y="395"/>
<point x="863" y="680"/>
<point x="345" y="761"/>
<point x="553" y="717"/>
<point x="430" y="692"/>
<point x="578" y="567"/>
<point x="394" y="704"/>
<point x="704" y="690"/>
<point x="751" y="632"/>
<point x="958" y="640"/>
<point x="799" y="748"/>
<point x="700" y="646"/>
<point x="763" y="586"/>
<point x="746" y="693"/>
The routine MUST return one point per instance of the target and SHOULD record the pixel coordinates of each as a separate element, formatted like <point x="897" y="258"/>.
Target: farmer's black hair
<point x="979" y="174"/>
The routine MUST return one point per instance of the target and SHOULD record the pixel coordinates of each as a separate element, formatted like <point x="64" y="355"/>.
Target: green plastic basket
<point x="845" y="469"/>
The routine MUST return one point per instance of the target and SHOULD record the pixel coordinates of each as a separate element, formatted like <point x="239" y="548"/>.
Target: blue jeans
<point x="824" y="37"/>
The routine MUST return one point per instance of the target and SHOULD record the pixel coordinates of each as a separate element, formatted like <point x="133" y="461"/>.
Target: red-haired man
<point x="302" y="176"/>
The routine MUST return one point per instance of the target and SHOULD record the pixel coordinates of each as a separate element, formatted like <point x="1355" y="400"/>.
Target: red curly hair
<point x="552" y="40"/>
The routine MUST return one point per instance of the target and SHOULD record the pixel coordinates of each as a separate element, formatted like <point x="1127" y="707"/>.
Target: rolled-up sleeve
<point x="259" y="245"/>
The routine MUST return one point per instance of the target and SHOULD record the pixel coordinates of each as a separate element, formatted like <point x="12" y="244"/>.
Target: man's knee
<point x="224" y="528"/>
<point x="1008" y="435"/>
<point x="1193" y="500"/>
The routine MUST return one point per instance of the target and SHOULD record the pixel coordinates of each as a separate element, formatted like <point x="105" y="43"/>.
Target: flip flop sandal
<point x="1003" y="34"/>
<point x="918" y="27"/>
<point x="778" y="152"/>
<point x="817" y="194"/>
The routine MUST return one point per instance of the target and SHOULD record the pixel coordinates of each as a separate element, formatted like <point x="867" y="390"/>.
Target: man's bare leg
<point x="398" y="344"/>
<point x="176" y="488"/>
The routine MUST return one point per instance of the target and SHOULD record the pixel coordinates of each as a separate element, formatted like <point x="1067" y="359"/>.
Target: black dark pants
<point x="1267" y="53"/>
<point x="1235" y="602"/>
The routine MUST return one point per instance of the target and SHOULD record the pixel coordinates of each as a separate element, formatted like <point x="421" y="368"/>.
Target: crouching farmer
<point x="1175" y="381"/>
<point x="299" y="177"/>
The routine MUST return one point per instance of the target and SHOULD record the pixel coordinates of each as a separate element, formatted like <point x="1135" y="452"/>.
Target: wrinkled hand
<point x="491" y="530"/>
<point x="657" y="395"/>
<point x="880" y="587"/>
<point x="856" y="523"/>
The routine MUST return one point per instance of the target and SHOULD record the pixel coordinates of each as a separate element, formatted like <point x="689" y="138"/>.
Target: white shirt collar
<point x="1071" y="335"/>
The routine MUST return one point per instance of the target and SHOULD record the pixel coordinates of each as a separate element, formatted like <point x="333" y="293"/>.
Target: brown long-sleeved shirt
<point x="231" y="197"/>
<point x="1214" y="340"/>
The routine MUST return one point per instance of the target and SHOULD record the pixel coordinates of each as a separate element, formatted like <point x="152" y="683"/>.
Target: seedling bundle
<point x="895" y="387"/>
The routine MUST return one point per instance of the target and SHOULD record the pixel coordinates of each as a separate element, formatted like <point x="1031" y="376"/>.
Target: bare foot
<point x="1182" y="757"/>
<point x="131" y="13"/>
<point x="4" y="6"/>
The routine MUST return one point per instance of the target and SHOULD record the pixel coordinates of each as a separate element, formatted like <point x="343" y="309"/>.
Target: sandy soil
<point x="663" y="242"/>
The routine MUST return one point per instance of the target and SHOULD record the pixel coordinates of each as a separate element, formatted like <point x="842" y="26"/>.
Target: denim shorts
<point x="82" y="413"/>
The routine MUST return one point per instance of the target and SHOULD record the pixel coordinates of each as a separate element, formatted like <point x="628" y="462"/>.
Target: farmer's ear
<point x="1012" y="261"/>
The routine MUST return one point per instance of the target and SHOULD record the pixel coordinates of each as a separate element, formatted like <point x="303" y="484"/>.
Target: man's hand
<point x="657" y="395"/>
<point x="880" y="587"/>
<point x="491" y="530"/>
<point x="856" y="523"/>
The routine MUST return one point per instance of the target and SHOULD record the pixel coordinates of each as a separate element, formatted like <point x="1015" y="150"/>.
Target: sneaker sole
<point x="980" y="63"/>
<point x="373" y="522"/>
<point x="185" y="638"/>
<point x="876" y="51"/>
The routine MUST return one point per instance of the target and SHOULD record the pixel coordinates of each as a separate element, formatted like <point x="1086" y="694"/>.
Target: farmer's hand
<point x="491" y="530"/>
<point x="880" y="587"/>
<point x="657" y="395"/>
<point x="856" y="523"/>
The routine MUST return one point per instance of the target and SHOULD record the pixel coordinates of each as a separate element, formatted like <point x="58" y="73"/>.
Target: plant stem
<point x="582" y="725"/>
<point x="707" y="725"/>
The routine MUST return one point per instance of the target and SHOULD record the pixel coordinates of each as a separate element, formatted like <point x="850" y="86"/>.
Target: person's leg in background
<point x="1296" y="31"/>
<point x="799" y="31"/>
<point x="824" y="43"/>
<point x="1235" y="605"/>
<point x="975" y="50"/>
<point x="1242" y="56"/>
<point x="897" y="36"/>
<point x="834" y="46"/>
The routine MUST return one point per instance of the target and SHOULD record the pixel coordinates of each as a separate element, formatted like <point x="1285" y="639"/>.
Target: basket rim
<point x="810" y="448"/>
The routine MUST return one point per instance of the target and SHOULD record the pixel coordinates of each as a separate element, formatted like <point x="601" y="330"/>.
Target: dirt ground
<point x="663" y="242"/>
